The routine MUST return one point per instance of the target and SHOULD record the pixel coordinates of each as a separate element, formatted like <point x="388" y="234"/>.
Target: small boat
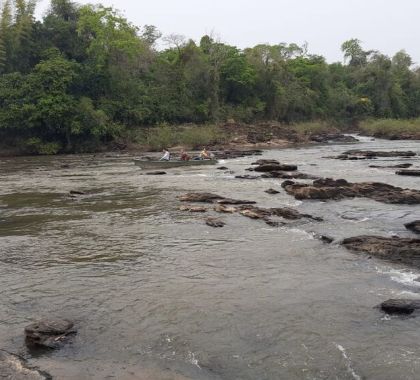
<point x="152" y="164"/>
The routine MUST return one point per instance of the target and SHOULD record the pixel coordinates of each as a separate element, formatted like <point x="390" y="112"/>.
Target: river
<point x="157" y="294"/>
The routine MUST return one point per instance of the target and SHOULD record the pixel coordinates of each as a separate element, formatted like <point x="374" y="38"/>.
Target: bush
<point x="391" y="127"/>
<point x="37" y="146"/>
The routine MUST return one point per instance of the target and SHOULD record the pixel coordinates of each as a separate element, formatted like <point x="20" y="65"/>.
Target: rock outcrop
<point x="327" y="188"/>
<point x="356" y="154"/>
<point x="396" y="249"/>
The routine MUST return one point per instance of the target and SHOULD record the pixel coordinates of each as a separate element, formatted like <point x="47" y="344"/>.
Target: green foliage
<point x="84" y="76"/>
<point x="391" y="128"/>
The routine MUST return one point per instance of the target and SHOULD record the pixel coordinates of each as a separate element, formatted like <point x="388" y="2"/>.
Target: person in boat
<point x="205" y="154"/>
<point x="184" y="156"/>
<point x="166" y="155"/>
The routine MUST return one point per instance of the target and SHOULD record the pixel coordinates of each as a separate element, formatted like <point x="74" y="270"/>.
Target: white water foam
<point x="348" y="362"/>
<point x="192" y="359"/>
<point x="402" y="277"/>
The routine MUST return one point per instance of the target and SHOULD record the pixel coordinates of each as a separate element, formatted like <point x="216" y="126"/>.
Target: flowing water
<point x="157" y="294"/>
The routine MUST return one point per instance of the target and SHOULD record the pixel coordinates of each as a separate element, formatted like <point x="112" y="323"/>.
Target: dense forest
<point x="84" y="76"/>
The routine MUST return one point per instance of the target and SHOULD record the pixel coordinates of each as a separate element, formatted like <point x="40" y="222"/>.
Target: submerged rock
<point x="156" y="173"/>
<point x="396" y="249"/>
<point x="288" y="175"/>
<point x="400" y="306"/>
<point x="355" y="154"/>
<point x="76" y="192"/>
<point x="222" y="168"/>
<point x="413" y="226"/>
<point x="50" y="333"/>
<point x="247" y="176"/>
<point x="266" y="162"/>
<point x="190" y="208"/>
<point x="327" y="188"/>
<point x="272" y="191"/>
<point x="398" y="166"/>
<point x="215" y="222"/>
<point x="200" y="197"/>
<point x="230" y="201"/>
<point x="271" y="167"/>
<point x="414" y="173"/>
<point x="13" y="367"/>
<point x="225" y="209"/>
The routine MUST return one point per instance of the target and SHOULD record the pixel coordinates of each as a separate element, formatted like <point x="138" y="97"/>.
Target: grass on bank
<point x="391" y="128"/>
<point x="190" y="136"/>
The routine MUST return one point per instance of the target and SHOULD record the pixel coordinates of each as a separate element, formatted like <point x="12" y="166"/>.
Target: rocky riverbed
<point x="197" y="274"/>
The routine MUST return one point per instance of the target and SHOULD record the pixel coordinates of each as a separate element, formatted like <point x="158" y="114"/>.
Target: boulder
<point x="50" y="333"/>
<point x="396" y="249"/>
<point x="333" y="137"/>
<point x="400" y="306"/>
<point x="291" y="214"/>
<point x="413" y="173"/>
<point x="222" y="168"/>
<point x="413" y="226"/>
<point x="215" y="222"/>
<point x="13" y="367"/>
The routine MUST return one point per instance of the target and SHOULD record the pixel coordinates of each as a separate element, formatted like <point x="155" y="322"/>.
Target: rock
<point x="356" y="154"/>
<point x="253" y="214"/>
<point x="49" y="332"/>
<point x="414" y="173"/>
<point x="65" y="166"/>
<point x="291" y="214"/>
<point x="230" y="201"/>
<point x="222" y="168"/>
<point x="275" y="167"/>
<point x="396" y="249"/>
<point x="325" y="189"/>
<point x="200" y="197"/>
<point x="398" y="166"/>
<point x="156" y="173"/>
<point x="286" y="175"/>
<point x="266" y="162"/>
<point x="214" y="222"/>
<point x="13" y="367"/>
<point x="192" y="208"/>
<point x="247" y="176"/>
<point x="272" y="191"/>
<point x="225" y="209"/>
<point x="76" y="192"/>
<point x="326" y="239"/>
<point x="413" y="226"/>
<point x="400" y="306"/>
<point x="335" y="137"/>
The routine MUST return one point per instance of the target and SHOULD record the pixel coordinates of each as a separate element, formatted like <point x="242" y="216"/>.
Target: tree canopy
<point x="84" y="75"/>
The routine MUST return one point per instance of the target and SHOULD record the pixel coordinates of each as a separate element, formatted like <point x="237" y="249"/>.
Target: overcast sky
<point x="385" y="25"/>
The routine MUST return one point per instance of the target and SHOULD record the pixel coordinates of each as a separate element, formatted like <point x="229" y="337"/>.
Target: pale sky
<point x="385" y="25"/>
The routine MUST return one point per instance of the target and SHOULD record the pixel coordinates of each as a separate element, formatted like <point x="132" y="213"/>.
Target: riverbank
<point x="233" y="136"/>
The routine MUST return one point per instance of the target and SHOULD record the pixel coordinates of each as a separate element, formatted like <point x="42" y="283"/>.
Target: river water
<point x="157" y="294"/>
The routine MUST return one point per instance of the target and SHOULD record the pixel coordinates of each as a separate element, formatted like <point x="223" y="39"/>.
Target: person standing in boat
<point x="166" y="155"/>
